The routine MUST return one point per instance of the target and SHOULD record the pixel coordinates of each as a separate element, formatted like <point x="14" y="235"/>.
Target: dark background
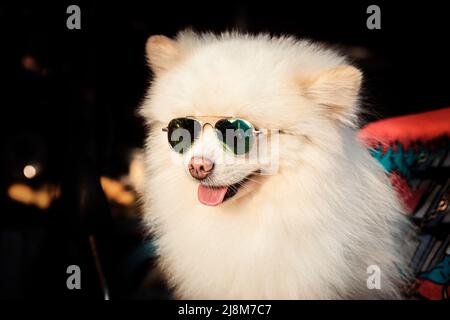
<point x="74" y="114"/>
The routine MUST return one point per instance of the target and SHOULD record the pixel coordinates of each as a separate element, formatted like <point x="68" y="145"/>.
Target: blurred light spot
<point x="40" y="198"/>
<point x="29" y="171"/>
<point x="29" y="63"/>
<point x="115" y="191"/>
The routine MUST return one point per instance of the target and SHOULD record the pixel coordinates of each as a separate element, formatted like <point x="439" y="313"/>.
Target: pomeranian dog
<point x="256" y="186"/>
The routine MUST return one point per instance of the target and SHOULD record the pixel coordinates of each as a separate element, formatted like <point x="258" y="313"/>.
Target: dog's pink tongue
<point x="211" y="196"/>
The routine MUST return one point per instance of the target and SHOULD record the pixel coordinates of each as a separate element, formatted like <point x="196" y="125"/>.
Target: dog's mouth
<point x="215" y="195"/>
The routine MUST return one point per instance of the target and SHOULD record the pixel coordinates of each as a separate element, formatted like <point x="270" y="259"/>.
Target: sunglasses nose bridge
<point x="208" y="132"/>
<point x="205" y="124"/>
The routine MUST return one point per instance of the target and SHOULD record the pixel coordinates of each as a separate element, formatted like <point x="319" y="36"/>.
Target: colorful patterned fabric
<point x="415" y="152"/>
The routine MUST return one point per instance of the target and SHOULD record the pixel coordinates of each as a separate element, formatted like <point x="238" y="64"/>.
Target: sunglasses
<point x="237" y="135"/>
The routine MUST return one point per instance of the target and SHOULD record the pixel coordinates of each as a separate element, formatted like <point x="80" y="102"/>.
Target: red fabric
<point x="431" y="290"/>
<point x="408" y="197"/>
<point x="424" y="126"/>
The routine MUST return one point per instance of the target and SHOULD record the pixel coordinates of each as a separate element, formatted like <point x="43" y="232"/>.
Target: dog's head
<point x="282" y="95"/>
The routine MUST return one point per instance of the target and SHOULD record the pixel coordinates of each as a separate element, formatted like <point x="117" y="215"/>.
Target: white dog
<point x="308" y="219"/>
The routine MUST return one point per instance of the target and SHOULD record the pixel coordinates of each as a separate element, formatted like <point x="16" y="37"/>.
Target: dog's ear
<point x="162" y="52"/>
<point x="338" y="90"/>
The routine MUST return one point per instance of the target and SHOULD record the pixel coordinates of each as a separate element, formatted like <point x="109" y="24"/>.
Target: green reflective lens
<point x="236" y="134"/>
<point x="182" y="132"/>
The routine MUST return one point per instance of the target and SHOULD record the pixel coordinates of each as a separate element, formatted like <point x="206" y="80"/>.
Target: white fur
<point x="307" y="232"/>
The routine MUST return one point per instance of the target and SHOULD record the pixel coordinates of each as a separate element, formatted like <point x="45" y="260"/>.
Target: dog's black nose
<point x="200" y="167"/>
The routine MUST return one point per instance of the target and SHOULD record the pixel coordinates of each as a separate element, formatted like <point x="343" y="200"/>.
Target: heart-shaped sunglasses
<point x="237" y="135"/>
